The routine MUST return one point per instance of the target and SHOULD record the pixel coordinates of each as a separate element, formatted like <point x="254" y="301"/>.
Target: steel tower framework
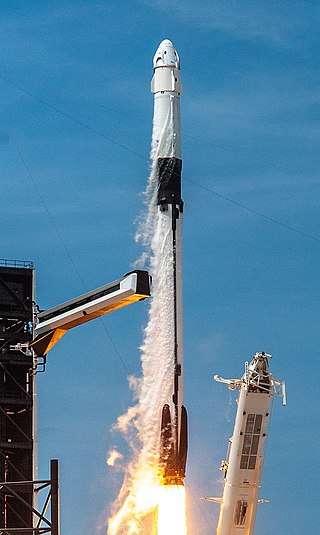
<point x="17" y="381"/>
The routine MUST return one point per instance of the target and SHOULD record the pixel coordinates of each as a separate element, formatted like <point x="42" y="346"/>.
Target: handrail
<point x="24" y="264"/>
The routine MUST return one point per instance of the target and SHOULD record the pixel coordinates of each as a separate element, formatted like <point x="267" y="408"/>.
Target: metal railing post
<point x="55" y="505"/>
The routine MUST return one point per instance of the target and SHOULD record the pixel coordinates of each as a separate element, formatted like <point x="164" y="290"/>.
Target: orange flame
<point x="146" y="497"/>
<point x="172" y="510"/>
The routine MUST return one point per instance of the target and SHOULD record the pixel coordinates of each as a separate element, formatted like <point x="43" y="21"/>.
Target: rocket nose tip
<point x="166" y="55"/>
<point x="166" y="42"/>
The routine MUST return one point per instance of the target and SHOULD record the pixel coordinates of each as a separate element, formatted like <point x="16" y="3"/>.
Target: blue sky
<point x="70" y="197"/>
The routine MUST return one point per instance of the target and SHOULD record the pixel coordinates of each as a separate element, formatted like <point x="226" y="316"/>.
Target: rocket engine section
<point x="244" y="465"/>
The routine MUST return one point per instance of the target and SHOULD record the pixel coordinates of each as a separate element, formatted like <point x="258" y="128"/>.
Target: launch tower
<point x="24" y="343"/>
<point x="17" y="414"/>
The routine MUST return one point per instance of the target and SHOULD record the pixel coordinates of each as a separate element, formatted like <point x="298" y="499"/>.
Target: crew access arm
<point x="55" y="322"/>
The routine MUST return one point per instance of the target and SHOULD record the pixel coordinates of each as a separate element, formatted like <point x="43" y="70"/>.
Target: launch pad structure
<point x="19" y="487"/>
<point x="26" y="336"/>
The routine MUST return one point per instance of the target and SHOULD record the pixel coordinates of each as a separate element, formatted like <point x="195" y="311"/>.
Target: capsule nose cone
<point x="166" y="55"/>
<point x="166" y="42"/>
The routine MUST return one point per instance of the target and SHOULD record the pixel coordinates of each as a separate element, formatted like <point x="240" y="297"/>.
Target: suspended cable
<point x="62" y="241"/>
<point x="111" y="140"/>
<point x="260" y="214"/>
<point x="214" y="144"/>
<point x="196" y="501"/>
<point x="68" y="116"/>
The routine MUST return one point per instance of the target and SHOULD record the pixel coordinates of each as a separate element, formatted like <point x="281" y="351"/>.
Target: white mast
<point x="243" y="467"/>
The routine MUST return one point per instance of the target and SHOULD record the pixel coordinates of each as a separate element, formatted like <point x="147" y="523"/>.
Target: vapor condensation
<point x="135" y="510"/>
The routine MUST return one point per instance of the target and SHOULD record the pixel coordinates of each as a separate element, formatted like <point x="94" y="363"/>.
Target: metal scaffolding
<point x="18" y="426"/>
<point x="42" y="522"/>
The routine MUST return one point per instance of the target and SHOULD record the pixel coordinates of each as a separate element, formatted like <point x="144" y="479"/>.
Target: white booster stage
<point x="166" y="87"/>
<point x="244" y="464"/>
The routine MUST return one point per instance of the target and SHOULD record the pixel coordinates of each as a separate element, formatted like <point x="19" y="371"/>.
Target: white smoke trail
<point x="134" y="509"/>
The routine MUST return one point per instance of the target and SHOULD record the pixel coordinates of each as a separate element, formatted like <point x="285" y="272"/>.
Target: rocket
<point x="167" y="90"/>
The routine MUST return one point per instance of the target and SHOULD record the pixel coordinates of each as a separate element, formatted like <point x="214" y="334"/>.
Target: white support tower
<point x="244" y="464"/>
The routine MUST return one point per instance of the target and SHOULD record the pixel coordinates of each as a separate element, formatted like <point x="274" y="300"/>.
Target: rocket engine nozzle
<point x="173" y="447"/>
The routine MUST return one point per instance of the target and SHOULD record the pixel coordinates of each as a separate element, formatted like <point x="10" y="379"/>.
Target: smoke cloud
<point x="134" y="511"/>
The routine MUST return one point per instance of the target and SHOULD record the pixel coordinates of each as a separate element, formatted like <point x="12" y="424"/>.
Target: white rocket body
<point x="166" y="87"/>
